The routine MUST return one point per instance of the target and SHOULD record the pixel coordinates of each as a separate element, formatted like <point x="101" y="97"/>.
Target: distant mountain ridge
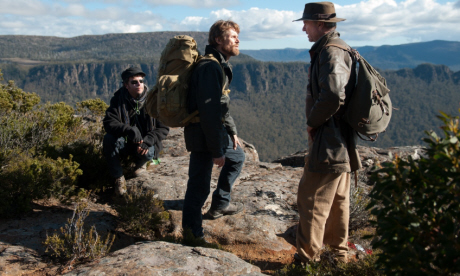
<point x="383" y="57"/>
<point x="268" y="98"/>
<point x="132" y="47"/>
<point x="147" y="47"/>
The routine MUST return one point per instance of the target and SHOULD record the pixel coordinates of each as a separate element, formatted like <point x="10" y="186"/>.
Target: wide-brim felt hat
<point x="131" y="71"/>
<point x="320" y="11"/>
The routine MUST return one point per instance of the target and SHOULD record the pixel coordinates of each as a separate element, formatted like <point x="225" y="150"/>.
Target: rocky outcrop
<point x="267" y="191"/>
<point x="263" y="234"/>
<point x="264" y="231"/>
<point x="162" y="258"/>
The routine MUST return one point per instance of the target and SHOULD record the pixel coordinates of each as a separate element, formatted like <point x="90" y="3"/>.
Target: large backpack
<point x="369" y="110"/>
<point x="167" y="100"/>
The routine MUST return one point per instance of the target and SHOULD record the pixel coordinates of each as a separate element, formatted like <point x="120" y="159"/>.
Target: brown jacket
<point x="332" y="77"/>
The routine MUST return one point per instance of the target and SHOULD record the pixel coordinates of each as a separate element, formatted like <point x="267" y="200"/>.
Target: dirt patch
<point x="268" y="260"/>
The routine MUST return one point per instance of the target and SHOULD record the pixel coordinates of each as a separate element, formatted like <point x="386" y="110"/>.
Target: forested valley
<point x="268" y="98"/>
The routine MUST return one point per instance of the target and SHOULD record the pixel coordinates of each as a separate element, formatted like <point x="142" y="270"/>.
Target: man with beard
<point x="130" y="130"/>
<point x="323" y="197"/>
<point x="212" y="136"/>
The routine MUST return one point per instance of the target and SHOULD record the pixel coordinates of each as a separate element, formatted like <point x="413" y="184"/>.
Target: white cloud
<point x="254" y="23"/>
<point x="73" y="19"/>
<point x="22" y="7"/>
<point x="368" y="22"/>
<point x="194" y="3"/>
<point x="413" y="19"/>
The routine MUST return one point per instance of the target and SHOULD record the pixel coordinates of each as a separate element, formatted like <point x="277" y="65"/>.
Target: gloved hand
<point x="148" y="141"/>
<point x="134" y="135"/>
<point x="144" y="146"/>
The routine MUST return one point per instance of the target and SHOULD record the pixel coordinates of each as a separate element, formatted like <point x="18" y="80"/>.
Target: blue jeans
<point x="115" y="148"/>
<point x="199" y="185"/>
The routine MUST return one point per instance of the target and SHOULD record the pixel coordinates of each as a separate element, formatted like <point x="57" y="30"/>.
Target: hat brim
<point x="335" y="19"/>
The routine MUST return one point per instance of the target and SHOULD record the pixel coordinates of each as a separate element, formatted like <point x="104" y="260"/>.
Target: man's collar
<point x="218" y="55"/>
<point x="318" y="46"/>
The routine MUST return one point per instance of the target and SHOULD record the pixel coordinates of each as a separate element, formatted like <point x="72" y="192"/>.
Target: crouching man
<point x="130" y="130"/>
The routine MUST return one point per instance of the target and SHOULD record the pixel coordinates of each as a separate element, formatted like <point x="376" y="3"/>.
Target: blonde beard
<point x="231" y="51"/>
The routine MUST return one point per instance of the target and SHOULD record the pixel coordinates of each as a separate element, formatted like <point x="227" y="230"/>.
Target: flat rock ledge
<point x="162" y="258"/>
<point x="263" y="234"/>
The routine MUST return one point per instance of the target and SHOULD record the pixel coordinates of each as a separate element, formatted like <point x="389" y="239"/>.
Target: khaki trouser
<point x="323" y="201"/>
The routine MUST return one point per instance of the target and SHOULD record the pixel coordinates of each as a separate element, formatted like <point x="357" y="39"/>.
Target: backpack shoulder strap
<point x="211" y="57"/>
<point x="353" y="52"/>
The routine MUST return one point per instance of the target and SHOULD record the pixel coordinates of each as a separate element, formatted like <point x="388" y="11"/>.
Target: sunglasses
<point x="133" y="82"/>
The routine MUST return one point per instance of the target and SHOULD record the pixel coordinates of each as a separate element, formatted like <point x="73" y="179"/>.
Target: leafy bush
<point x="95" y="174"/>
<point x="140" y="213"/>
<point x="75" y="243"/>
<point x="66" y="127"/>
<point x="189" y="239"/>
<point x="29" y="178"/>
<point x="86" y="149"/>
<point x="95" y="107"/>
<point x="13" y="98"/>
<point x="359" y="215"/>
<point x="35" y="144"/>
<point x="328" y="266"/>
<point x="416" y="205"/>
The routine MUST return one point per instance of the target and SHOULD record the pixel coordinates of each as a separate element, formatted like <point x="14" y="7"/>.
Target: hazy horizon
<point x="265" y="24"/>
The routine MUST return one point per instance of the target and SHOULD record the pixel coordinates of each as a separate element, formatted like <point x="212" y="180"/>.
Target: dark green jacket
<point x="205" y="95"/>
<point x="332" y="79"/>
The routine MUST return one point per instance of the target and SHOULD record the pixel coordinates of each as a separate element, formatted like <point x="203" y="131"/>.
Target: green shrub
<point x="95" y="174"/>
<point x="86" y="144"/>
<point x="359" y="215"/>
<point x="75" y="243"/>
<point x="13" y="98"/>
<point x="65" y="124"/>
<point x="95" y="107"/>
<point x="28" y="178"/>
<point x="189" y="239"/>
<point x="328" y="266"/>
<point x="140" y="213"/>
<point x="416" y="205"/>
<point x="35" y="143"/>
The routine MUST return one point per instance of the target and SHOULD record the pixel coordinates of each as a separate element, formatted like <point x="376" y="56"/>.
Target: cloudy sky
<point x="265" y="24"/>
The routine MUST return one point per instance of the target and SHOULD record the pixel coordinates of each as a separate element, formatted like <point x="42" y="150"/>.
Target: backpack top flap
<point x="178" y="56"/>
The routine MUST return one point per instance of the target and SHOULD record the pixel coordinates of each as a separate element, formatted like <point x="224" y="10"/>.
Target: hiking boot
<point x="120" y="186"/>
<point x="231" y="209"/>
<point x="299" y="261"/>
<point x="140" y="170"/>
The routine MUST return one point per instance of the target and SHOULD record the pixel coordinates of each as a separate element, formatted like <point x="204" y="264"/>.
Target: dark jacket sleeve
<point x="156" y="136"/>
<point x="230" y="124"/>
<point x="334" y="73"/>
<point x="208" y="99"/>
<point x="112" y="122"/>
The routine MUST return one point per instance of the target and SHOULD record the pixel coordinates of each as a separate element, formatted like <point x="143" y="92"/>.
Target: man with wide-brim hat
<point x="320" y="11"/>
<point x="324" y="190"/>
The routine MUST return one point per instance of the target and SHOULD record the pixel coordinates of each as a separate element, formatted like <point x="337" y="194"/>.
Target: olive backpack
<point x="167" y="100"/>
<point x="369" y="109"/>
